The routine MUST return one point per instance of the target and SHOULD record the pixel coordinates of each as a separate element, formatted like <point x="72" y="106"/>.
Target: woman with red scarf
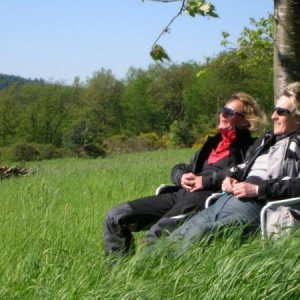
<point x="194" y="182"/>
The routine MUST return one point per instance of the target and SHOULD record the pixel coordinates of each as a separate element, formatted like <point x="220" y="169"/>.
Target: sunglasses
<point x="230" y="112"/>
<point x="282" y="111"/>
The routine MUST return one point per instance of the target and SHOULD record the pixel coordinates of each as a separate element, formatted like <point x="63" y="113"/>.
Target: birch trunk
<point x="286" y="44"/>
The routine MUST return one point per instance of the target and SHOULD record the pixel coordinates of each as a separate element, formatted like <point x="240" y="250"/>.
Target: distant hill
<point x="7" y="80"/>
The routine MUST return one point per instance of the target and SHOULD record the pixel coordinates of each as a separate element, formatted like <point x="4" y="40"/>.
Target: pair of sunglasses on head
<point x="231" y="112"/>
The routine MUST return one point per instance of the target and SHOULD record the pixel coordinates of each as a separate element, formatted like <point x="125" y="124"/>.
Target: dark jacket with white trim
<point x="287" y="184"/>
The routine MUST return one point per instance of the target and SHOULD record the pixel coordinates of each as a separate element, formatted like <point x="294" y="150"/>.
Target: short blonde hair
<point x="252" y="111"/>
<point x="292" y="91"/>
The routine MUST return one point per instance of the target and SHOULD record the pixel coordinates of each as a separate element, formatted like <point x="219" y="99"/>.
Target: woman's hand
<point x="191" y="182"/>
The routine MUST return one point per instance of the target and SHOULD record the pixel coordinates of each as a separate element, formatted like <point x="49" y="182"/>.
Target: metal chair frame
<point x="263" y="213"/>
<point x="163" y="188"/>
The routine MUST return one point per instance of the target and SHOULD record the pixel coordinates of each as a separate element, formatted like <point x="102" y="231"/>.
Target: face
<point x="232" y="121"/>
<point x="284" y="122"/>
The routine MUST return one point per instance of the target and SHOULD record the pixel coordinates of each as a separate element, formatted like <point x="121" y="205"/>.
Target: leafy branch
<point x="192" y="8"/>
<point x="254" y="46"/>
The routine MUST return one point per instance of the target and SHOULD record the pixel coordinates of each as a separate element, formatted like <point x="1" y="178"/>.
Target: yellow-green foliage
<point x="202" y="139"/>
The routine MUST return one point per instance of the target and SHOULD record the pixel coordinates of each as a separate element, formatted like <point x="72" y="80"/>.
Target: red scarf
<point x="222" y="149"/>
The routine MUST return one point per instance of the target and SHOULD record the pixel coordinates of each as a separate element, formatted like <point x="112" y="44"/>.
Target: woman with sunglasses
<point x="195" y="181"/>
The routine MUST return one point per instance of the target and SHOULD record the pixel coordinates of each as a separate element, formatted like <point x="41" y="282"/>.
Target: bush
<point x="80" y="133"/>
<point x="180" y="135"/>
<point x="116" y="143"/>
<point x="31" y="152"/>
<point x="25" y="152"/>
<point x="202" y="139"/>
<point x="49" y="151"/>
<point x="144" y="142"/>
<point x="92" y="150"/>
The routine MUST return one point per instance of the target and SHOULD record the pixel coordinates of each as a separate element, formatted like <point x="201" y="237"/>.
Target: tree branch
<point x="167" y="28"/>
<point x="164" y="0"/>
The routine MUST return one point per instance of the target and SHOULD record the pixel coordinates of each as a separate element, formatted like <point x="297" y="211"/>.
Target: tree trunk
<point x="286" y="44"/>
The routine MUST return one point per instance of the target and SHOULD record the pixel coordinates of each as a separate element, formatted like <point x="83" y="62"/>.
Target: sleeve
<point x="180" y="169"/>
<point x="214" y="180"/>
<point x="279" y="189"/>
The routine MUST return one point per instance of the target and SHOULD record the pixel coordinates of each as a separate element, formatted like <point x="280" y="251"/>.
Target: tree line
<point x="165" y="105"/>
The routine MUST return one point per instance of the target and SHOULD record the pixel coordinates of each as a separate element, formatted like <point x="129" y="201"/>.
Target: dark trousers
<point x="162" y="213"/>
<point x="226" y="210"/>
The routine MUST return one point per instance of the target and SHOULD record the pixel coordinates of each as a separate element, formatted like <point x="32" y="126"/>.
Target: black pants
<point x="160" y="213"/>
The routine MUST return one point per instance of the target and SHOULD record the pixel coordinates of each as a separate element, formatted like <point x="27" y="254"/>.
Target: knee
<point x="110" y="216"/>
<point x="117" y="213"/>
<point x="163" y="226"/>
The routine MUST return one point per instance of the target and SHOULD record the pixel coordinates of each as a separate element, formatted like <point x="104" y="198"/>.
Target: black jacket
<point x="213" y="175"/>
<point x="287" y="185"/>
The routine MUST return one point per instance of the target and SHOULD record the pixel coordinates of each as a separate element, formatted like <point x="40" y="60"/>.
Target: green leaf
<point x="225" y="34"/>
<point x="200" y="7"/>
<point x="158" y="53"/>
<point x="201" y="73"/>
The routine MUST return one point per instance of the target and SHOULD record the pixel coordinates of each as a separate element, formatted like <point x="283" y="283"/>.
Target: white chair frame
<point x="263" y="213"/>
<point x="272" y="204"/>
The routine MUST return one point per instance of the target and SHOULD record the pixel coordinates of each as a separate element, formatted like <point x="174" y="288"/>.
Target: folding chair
<point x="263" y="214"/>
<point x="213" y="198"/>
<point x="273" y="204"/>
<point x="166" y="188"/>
<point x="169" y="188"/>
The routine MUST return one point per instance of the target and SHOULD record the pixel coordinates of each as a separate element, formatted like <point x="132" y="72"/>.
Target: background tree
<point x="163" y="105"/>
<point x="287" y="43"/>
<point x="103" y="103"/>
<point x="9" y="114"/>
<point x="46" y="112"/>
<point x="140" y="107"/>
<point x="169" y="89"/>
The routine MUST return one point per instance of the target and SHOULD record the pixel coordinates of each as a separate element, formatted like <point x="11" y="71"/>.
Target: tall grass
<point x="51" y="240"/>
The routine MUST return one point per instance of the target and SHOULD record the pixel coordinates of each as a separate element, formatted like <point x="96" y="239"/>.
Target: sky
<point x="58" y="40"/>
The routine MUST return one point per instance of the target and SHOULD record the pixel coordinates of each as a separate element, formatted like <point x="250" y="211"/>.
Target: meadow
<point x="51" y="240"/>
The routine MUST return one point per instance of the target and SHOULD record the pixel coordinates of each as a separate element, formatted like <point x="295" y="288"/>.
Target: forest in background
<point x="163" y="106"/>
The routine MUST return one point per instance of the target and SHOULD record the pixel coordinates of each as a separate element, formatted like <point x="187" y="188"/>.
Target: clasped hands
<point x="191" y="182"/>
<point x="239" y="189"/>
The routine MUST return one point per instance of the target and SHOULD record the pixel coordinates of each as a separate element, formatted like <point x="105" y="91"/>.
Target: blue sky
<point x="60" y="39"/>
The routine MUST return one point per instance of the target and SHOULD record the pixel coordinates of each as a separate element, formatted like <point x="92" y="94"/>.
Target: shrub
<point x="30" y="152"/>
<point x="92" y="150"/>
<point x="144" y="142"/>
<point x="80" y="133"/>
<point x="116" y="143"/>
<point x="25" y="152"/>
<point x="49" y="151"/>
<point x="153" y="141"/>
<point x="180" y="135"/>
<point x="202" y="139"/>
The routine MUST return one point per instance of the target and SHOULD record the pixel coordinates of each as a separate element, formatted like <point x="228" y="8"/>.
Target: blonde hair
<point x="253" y="114"/>
<point x="292" y="91"/>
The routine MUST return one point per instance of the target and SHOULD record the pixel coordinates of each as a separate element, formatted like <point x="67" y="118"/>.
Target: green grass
<point x="51" y="240"/>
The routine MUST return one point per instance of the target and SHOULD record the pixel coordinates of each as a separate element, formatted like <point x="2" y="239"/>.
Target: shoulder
<point x="265" y="137"/>
<point x="243" y="139"/>
<point x="296" y="137"/>
<point x="212" y="139"/>
<point x="294" y="144"/>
